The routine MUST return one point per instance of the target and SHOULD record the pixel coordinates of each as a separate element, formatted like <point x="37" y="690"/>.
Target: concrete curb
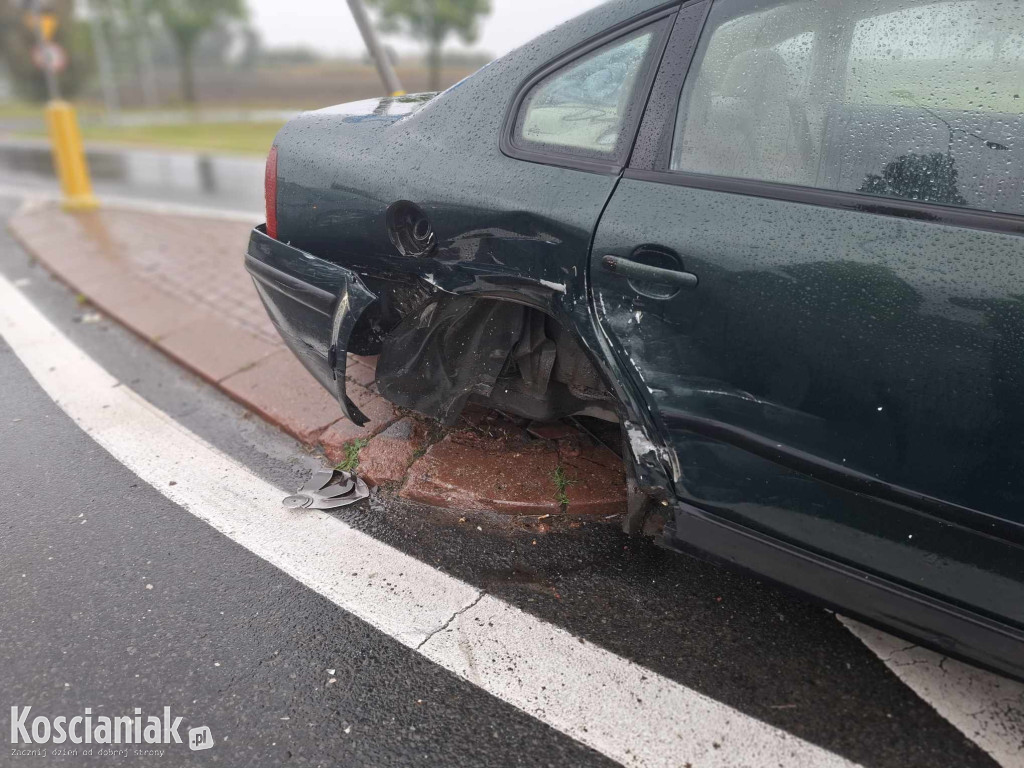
<point x="177" y="282"/>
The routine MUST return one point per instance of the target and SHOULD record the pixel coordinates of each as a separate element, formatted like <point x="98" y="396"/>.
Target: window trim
<point x="936" y="213"/>
<point x="658" y="124"/>
<point x="614" y="164"/>
<point x="651" y="160"/>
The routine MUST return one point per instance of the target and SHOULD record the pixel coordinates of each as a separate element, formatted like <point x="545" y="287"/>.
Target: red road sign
<point x="50" y="56"/>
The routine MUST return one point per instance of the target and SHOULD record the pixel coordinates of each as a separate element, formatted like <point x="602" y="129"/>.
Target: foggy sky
<point x="327" y="26"/>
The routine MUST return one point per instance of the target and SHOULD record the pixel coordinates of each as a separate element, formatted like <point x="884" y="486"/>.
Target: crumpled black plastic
<point x="447" y="350"/>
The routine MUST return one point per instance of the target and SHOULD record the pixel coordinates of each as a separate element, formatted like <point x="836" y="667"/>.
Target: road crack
<point x="451" y="618"/>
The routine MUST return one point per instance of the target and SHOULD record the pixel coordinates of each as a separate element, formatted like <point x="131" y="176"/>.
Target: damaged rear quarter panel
<point x="505" y="228"/>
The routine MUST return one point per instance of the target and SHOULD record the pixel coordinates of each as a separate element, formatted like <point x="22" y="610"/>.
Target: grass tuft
<point x="562" y="484"/>
<point x="231" y="137"/>
<point x="351" y="461"/>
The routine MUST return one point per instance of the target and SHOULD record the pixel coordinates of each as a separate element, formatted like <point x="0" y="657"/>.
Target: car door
<point x="813" y="272"/>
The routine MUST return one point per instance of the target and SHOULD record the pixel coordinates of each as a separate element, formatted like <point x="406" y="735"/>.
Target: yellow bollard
<point x="69" y="157"/>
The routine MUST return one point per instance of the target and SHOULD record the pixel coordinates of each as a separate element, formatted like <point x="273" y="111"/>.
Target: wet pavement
<point x="229" y="641"/>
<point x="136" y="612"/>
<point x="185" y="178"/>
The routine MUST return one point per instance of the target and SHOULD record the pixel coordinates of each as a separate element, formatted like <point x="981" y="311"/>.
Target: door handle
<point x="634" y="270"/>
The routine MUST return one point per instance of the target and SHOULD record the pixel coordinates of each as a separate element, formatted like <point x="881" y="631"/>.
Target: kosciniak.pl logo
<point x="89" y="728"/>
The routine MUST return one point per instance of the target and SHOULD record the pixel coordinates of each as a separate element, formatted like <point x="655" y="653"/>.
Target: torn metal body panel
<point x="355" y="181"/>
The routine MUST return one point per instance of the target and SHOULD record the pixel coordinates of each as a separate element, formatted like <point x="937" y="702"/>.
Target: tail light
<point x="270" y="189"/>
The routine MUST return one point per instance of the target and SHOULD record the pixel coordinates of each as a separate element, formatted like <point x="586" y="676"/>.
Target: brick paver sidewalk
<point x="179" y="282"/>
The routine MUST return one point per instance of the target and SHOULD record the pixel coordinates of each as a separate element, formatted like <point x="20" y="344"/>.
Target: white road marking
<point x="986" y="708"/>
<point x="626" y="712"/>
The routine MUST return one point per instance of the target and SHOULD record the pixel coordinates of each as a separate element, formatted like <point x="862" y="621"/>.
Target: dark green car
<point x="780" y="242"/>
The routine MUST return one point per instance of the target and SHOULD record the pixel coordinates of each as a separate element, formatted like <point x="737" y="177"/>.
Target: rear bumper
<point x="314" y="305"/>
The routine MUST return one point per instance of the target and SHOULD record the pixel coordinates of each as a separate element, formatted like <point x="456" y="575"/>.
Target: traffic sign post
<point x="44" y="24"/>
<point x="69" y="157"/>
<point x="61" y="120"/>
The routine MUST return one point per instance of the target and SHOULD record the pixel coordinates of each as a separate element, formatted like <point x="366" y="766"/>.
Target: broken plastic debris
<point x="319" y="492"/>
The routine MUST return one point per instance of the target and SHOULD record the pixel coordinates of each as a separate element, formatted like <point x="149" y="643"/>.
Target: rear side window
<point x="912" y="99"/>
<point x="584" y="108"/>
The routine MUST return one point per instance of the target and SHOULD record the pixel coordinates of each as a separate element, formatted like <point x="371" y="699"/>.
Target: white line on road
<point x="626" y="712"/>
<point x="986" y="708"/>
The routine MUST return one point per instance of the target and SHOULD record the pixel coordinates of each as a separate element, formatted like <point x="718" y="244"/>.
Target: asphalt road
<point x="113" y="596"/>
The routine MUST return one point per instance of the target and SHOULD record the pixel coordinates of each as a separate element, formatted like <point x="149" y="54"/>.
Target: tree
<point x="186" y="21"/>
<point x="127" y="21"/>
<point x="930" y="178"/>
<point x="433" y="21"/>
